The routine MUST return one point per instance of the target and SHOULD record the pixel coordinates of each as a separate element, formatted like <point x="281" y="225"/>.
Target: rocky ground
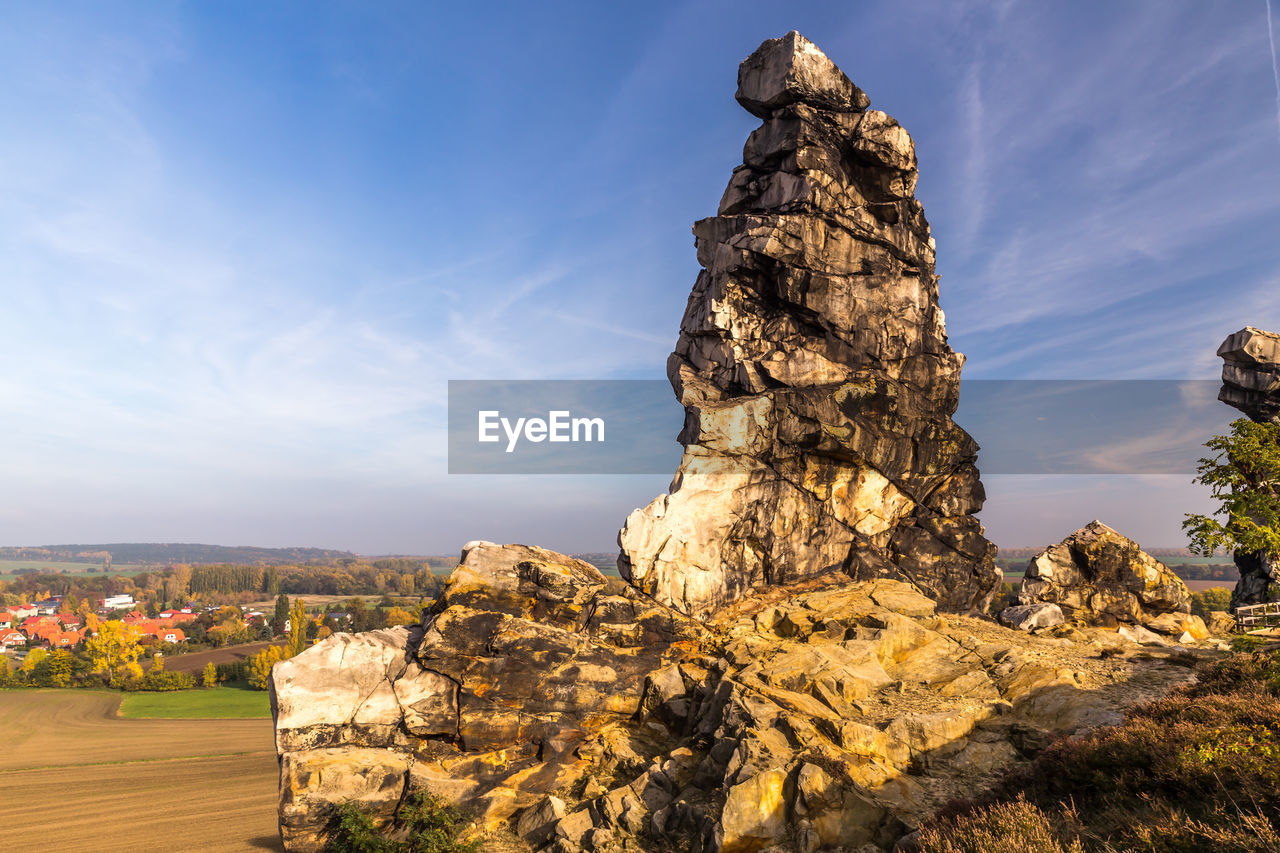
<point x="569" y="713"/>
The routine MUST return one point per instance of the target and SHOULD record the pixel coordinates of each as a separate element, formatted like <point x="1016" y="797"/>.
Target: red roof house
<point x="171" y="635"/>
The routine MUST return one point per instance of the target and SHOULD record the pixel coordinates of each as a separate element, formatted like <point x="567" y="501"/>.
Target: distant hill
<point x="154" y="553"/>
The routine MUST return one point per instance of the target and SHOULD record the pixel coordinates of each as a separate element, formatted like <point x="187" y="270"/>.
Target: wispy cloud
<point x="1275" y="65"/>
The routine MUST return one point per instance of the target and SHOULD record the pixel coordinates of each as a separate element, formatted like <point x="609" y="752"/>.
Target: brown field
<point x="267" y="605"/>
<point x="1201" y="586"/>
<point x="196" y="661"/>
<point x="73" y="773"/>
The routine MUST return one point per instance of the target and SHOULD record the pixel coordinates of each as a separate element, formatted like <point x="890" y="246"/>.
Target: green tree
<point x="281" y="615"/>
<point x="58" y="666"/>
<point x="1204" y="603"/>
<point x="1244" y="478"/>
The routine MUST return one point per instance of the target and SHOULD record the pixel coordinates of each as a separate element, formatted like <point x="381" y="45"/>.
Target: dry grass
<point x="1195" y="772"/>
<point x="73" y="770"/>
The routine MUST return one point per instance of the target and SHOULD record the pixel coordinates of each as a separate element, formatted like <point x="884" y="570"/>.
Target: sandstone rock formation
<point x="1251" y="383"/>
<point x="814" y="368"/>
<point x="1096" y="576"/>
<point x="773" y="678"/>
<point x="570" y="713"/>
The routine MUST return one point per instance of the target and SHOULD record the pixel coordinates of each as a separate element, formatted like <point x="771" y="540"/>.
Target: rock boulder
<point x="1097" y="576"/>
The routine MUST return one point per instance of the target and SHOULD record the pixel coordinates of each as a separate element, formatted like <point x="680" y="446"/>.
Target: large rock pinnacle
<point x="814" y="368"/>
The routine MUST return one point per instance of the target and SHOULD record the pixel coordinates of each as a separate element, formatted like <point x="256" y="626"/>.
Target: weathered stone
<point x="311" y="782"/>
<point x="1141" y="636"/>
<point x="1221" y="622"/>
<point x="537" y="824"/>
<point x="1027" y="617"/>
<point x="814" y="369"/>
<point x="792" y="69"/>
<point x="1096" y="575"/>
<point x="755" y="813"/>
<point x="1175" y="624"/>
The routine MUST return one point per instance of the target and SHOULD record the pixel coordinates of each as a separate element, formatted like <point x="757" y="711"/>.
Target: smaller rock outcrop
<point x="1096" y="576"/>
<point x="1251" y="373"/>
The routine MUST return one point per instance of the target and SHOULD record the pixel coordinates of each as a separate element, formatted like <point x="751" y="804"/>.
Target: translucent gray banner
<point x="1023" y="426"/>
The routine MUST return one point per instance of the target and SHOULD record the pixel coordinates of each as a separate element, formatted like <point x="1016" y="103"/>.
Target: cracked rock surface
<point x="814" y="368"/>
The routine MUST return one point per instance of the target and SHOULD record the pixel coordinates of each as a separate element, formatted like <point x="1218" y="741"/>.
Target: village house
<point x="178" y="617"/>
<point x="10" y="638"/>
<point x="63" y="639"/>
<point x="6" y="619"/>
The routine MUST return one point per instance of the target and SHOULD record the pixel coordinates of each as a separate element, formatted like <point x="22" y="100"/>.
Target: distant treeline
<point x="171" y="553"/>
<point x="174" y="586"/>
<point x="1028" y="553"/>
<point x="1206" y="571"/>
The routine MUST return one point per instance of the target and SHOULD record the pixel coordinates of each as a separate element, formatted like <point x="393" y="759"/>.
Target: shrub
<point x="1016" y="825"/>
<point x="1203" y="603"/>
<point x="233" y="671"/>
<point x="422" y="824"/>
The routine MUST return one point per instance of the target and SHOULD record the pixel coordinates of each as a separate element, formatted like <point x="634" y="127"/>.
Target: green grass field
<point x="9" y="568"/>
<point x="220" y="703"/>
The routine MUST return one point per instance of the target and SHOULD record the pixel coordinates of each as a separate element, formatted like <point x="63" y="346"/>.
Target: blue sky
<point x="243" y="246"/>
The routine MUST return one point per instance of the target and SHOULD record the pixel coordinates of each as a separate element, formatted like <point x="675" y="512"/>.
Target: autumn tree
<point x="297" y="628"/>
<point x="113" y="651"/>
<point x="260" y="666"/>
<point x="400" y="616"/>
<point x="61" y="664"/>
<point x="31" y="661"/>
<point x="209" y="678"/>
